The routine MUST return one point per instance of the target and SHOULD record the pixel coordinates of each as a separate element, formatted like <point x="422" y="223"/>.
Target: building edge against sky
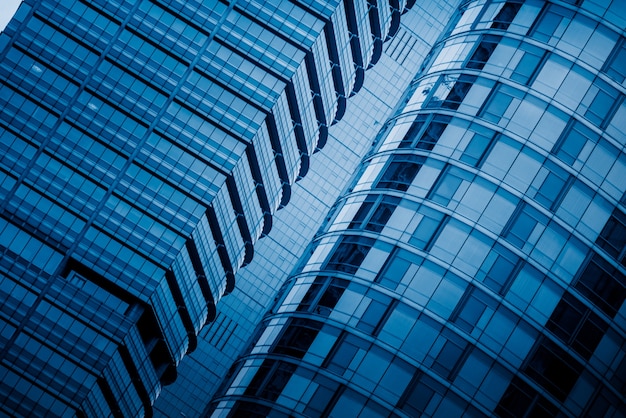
<point x="476" y="264"/>
<point x="146" y="146"/>
<point x="223" y="340"/>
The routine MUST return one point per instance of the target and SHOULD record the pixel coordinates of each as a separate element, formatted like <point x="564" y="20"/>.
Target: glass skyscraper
<point x="476" y="264"/>
<point x="145" y="147"/>
<point x="221" y="341"/>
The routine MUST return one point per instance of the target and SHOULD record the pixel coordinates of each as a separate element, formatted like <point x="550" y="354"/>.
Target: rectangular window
<point x="552" y="368"/>
<point x="577" y="325"/>
<point x="613" y="237"/>
<point x="529" y="64"/>
<point x="471" y="308"/>
<point x="323" y="295"/>
<point x="347" y="347"/>
<point x="400" y="172"/>
<point x="498" y="269"/>
<point x="270" y="379"/>
<point x="483" y="52"/>
<point x="451" y="185"/>
<point x="478" y="147"/>
<point x="502" y="103"/>
<point x="550" y="186"/>
<point x="376" y="312"/>
<point x="324" y="398"/>
<point x="575" y="138"/>
<point x="449" y="93"/>
<point x="349" y="254"/>
<point x="506" y="15"/>
<point x="432" y="133"/>
<point x="414" y="131"/>
<point x="419" y="393"/>
<point x="520" y="399"/>
<point x="374" y="212"/>
<point x="428" y="229"/>
<point x="551" y="23"/>
<point x="525" y="226"/>
<point x="600" y="102"/>
<point x="396" y="266"/>
<point x="615" y="66"/>
<point x="603" y="285"/>
<point x="297" y="337"/>
<point x="447" y="355"/>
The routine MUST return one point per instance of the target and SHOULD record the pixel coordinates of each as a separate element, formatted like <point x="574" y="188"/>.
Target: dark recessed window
<point x="521" y="400"/>
<point x="297" y="337"/>
<point x="552" y="368"/>
<point x="506" y="15"/>
<point x="550" y="185"/>
<point x="454" y="90"/>
<point x="613" y="236"/>
<point x="602" y="284"/>
<point x="576" y="325"/>
<point x="374" y="212"/>
<point x="349" y="254"/>
<point x="400" y="172"/>
<point x="323" y="295"/>
<point x="483" y="52"/>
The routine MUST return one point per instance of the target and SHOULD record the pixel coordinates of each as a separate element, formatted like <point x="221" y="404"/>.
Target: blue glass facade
<point x="145" y="148"/>
<point x="475" y="264"/>
<point x="221" y="341"/>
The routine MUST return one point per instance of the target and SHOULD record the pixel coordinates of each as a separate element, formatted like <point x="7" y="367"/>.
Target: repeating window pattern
<point x="487" y="269"/>
<point x="297" y="338"/>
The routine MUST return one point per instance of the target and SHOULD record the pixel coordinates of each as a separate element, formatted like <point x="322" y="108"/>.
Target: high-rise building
<point x="476" y="265"/>
<point x="145" y="147"/>
<point x="275" y="256"/>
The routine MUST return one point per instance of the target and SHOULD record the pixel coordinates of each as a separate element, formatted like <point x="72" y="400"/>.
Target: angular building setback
<point x="476" y="265"/>
<point x="221" y="341"/>
<point x="145" y="147"/>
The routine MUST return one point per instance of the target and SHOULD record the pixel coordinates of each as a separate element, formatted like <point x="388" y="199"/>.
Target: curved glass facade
<point x="146" y="146"/>
<point x="476" y="264"/>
